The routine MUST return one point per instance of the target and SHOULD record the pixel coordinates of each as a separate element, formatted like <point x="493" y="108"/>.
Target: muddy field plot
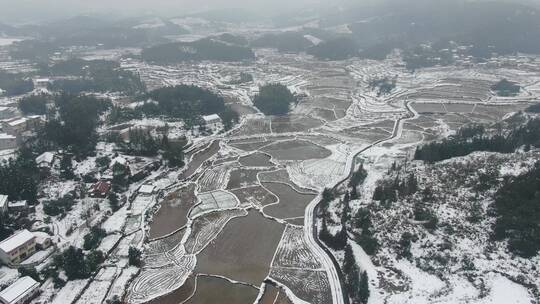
<point x="296" y="150"/>
<point x="164" y="244"/>
<point x="214" y="200"/>
<point x="498" y="112"/>
<point x="207" y="227"/>
<point x="281" y="176"/>
<point x="274" y="295"/>
<point x="214" y="178"/>
<point x="324" y="114"/>
<point x="212" y="290"/>
<point x="242" y="109"/>
<point x="256" y="160"/>
<point x="367" y="134"/>
<point x="244" y="249"/>
<point x="340" y="106"/>
<point x="173" y="211"/>
<point x="241" y="178"/>
<point x="251" y="146"/>
<point x="293" y="251"/>
<point x="179" y="295"/>
<point x="426" y="108"/>
<point x="320" y="139"/>
<point x="309" y="285"/>
<point x="253" y="127"/>
<point x="154" y="282"/>
<point x="198" y="159"/>
<point x="286" y="124"/>
<point x="291" y="203"/>
<point x="256" y="195"/>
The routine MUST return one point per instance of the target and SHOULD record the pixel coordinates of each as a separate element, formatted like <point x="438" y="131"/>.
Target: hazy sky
<point x="26" y="10"/>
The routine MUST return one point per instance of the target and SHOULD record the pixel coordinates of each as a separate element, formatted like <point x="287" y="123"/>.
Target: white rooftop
<point x="7" y="136"/>
<point x="18" y="290"/>
<point x="17" y="122"/>
<point x="147" y="189"/>
<point x="212" y="117"/>
<point x="3" y="200"/>
<point x="46" y="157"/>
<point x="16" y="240"/>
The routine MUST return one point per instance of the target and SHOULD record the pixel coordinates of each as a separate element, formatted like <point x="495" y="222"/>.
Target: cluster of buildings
<point x="17" y="130"/>
<point x="13" y="251"/>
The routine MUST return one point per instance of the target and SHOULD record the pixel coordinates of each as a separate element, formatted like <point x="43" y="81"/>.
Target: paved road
<point x="326" y="257"/>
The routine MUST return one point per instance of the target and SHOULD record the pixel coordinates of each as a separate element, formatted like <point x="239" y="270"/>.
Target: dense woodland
<point x="93" y="76"/>
<point x="287" y="42"/>
<point x="274" y="99"/>
<point x="35" y="104"/>
<point x="73" y="128"/>
<point x="506" y="88"/>
<point x="335" y="49"/>
<point x="517" y="204"/>
<point x="15" y="84"/>
<point x="204" y="49"/>
<point x="476" y="138"/>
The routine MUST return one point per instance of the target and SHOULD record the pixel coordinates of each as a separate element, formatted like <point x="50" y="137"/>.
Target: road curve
<point x="333" y="269"/>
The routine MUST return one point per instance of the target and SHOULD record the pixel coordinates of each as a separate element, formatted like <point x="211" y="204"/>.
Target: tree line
<point x="465" y="142"/>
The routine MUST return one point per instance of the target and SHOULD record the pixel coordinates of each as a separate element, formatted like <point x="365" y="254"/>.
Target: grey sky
<point x="25" y="10"/>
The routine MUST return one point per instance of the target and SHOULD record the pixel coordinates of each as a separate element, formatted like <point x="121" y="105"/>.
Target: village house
<point x="213" y="122"/>
<point x="20" y="292"/>
<point x="8" y="112"/>
<point x="7" y="141"/>
<point x="15" y="127"/>
<point x="100" y="189"/>
<point x="43" y="240"/>
<point x="45" y="160"/>
<point x="147" y="189"/>
<point x="18" y="206"/>
<point x="42" y="83"/>
<point x="17" y="247"/>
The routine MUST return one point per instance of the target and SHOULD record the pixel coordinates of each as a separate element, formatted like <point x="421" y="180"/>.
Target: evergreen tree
<point x="66" y="167"/>
<point x="135" y="257"/>
<point x="363" y="291"/>
<point x="113" y="201"/>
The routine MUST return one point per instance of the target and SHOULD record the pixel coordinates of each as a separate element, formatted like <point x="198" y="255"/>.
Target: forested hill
<point x="204" y="49"/>
<point x="476" y="138"/>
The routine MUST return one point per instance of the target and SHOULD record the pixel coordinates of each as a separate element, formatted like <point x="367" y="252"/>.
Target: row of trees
<point x="356" y="282"/>
<point x="466" y="142"/>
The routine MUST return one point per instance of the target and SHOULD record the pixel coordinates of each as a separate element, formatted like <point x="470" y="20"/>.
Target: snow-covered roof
<point x="46" y="157"/>
<point x="17" y="204"/>
<point x="43" y="80"/>
<point x="17" y="122"/>
<point x="18" y="290"/>
<point x="16" y="240"/>
<point x="3" y="200"/>
<point x="41" y="237"/>
<point x="121" y="160"/>
<point x="7" y="136"/>
<point x="213" y="117"/>
<point x="147" y="189"/>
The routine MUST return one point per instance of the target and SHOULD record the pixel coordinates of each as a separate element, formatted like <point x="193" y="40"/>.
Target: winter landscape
<point x="204" y="159"/>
